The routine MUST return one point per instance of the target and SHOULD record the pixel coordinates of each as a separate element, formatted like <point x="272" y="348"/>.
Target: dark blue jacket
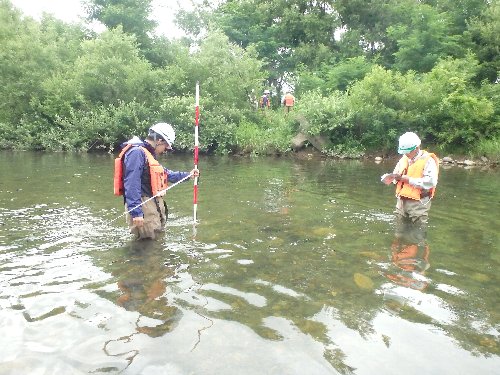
<point x="136" y="178"/>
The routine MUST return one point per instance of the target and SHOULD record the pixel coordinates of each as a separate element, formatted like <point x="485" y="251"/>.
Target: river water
<point x="292" y="269"/>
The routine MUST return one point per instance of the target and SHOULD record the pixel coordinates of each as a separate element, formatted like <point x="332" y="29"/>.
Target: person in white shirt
<point x="416" y="178"/>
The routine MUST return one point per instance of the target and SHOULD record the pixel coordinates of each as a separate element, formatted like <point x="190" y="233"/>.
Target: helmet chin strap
<point x="155" y="140"/>
<point x="157" y="143"/>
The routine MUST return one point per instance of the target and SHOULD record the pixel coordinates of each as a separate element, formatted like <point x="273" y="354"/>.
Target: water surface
<point x="291" y="270"/>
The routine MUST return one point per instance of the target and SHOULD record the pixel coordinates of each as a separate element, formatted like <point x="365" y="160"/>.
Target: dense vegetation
<point x="363" y="72"/>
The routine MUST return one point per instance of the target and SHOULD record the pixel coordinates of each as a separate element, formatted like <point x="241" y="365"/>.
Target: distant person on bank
<point x="139" y="176"/>
<point x="416" y="178"/>
<point x="265" y="100"/>
<point x="288" y="101"/>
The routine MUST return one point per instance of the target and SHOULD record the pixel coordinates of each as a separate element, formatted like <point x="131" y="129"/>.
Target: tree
<point x="132" y="15"/>
<point x="484" y="32"/>
<point x="285" y="34"/>
<point x="227" y="74"/>
<point x="460" y="11"/>
<point x="423" y="39"/>
<point x="31" y="52"/>
<point x="108" y="71"/>
<point x="368" y="19"/>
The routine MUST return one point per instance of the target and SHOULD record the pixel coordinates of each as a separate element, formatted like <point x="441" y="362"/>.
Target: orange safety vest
<point x="416" y="170"/>
<point x="289" y="100"/>
<point x="156" y="171"/>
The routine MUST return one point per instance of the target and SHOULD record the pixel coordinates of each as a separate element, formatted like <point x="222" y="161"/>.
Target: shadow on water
<point x="294" y="269"/>
<point x="141" y="270"/>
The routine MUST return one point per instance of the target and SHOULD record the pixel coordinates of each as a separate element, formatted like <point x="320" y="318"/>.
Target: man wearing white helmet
<point x="265" y="101"/>
<point x="416" y="177"/>
<point x="139" y="176"/>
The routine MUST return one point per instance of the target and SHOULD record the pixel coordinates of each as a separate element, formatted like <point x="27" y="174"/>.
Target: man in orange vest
<point x="139" y="177"/>
<point x="288" y="101"/>
<point x="416" y="177"/>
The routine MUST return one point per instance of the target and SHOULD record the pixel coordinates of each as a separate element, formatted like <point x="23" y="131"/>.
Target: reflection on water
<point x="294" y="269"/>
<point x="410" y="253"/>
<point x="141" y="275"/>
<point x="410" y="260"/>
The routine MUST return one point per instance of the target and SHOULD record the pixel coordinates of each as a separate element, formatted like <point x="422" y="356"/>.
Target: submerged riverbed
<point x="290" y="270"/>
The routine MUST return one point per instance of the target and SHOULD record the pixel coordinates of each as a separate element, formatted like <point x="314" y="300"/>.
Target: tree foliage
<point x="134" y="16"/>
<point x="283" y="33"/>
<point x="30" y="53"/>
<point x="363" y="72"/>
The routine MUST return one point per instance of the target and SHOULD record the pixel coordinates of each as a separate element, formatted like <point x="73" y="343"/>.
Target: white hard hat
<point x="165" y="131"/>
<point x="408" y="142"/>
<point x="267" y="92"/>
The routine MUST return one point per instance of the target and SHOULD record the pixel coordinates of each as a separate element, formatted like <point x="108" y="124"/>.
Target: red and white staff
<point x="196" y="144"/>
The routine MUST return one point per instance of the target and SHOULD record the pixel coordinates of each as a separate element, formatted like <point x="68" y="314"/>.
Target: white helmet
<point x="165" y="131"/>
<point x="408" y="142"/>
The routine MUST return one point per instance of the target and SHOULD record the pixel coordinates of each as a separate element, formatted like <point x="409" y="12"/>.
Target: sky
<point x="72" y="11"/>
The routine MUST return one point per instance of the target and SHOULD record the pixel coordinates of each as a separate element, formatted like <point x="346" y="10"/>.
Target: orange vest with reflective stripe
<point x="156" y="171"/>
<point x="416" y="170"/>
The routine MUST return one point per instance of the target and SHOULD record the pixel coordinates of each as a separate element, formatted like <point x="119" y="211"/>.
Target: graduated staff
<point x="416" y="178"/>
<point x="139" y="176"/>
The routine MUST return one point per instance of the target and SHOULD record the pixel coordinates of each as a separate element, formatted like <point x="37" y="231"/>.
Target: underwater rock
<point x="362" y="281"/>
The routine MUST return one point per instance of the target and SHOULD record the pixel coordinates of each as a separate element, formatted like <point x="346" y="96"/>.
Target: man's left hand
<point x="195" y="173"/>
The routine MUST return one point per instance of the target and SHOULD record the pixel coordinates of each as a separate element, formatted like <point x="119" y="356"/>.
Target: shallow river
<point x="290" y="270"/>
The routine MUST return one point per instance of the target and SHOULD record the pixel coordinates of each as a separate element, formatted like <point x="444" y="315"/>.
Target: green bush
<point x="271" y="135"/>
<point x="489" y="148"/>
<point x="463" y="114"/>
<point x="104" y="128"/>
<point x="324" y="114"/>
